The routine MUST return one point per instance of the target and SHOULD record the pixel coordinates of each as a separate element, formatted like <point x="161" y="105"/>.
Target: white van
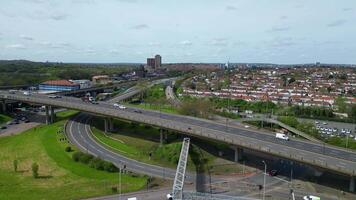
<point x="311" y="197"/>
<point x="282" y="136"/>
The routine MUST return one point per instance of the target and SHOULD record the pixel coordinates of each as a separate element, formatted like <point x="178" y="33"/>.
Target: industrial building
<point x="101" y="80"/>
<point x="58" y="85"/>
<point x="83" y="83"/>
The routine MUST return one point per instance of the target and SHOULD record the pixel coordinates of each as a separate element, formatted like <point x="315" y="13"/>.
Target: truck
<point x="282" y="136"/>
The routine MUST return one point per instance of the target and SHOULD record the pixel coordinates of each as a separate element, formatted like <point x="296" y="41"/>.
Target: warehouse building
<point x="59" y="85"/>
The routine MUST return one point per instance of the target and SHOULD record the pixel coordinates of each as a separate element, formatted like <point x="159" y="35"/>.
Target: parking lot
<point x="334" y="129"/>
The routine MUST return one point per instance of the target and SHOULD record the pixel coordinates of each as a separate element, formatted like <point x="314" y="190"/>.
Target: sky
<point x="112" y="31"/>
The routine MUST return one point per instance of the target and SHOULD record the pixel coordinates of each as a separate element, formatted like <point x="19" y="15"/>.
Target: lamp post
<point x="120" y="182"/>
<point x="264" y="180"/>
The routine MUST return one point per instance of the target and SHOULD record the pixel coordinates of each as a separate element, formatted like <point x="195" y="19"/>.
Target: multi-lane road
<point x="328" y="157"/>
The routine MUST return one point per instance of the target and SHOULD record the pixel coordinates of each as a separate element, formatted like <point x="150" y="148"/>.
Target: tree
<point x="35" y="168"/>
<point x="15" y="165"/>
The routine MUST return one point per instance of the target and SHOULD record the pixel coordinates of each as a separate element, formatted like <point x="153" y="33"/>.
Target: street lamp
<point x="264" y="180"/>
<point x="120" y="182"/>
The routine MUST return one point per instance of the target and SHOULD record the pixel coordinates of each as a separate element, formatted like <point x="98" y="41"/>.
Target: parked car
<point x="138" y="111"/>
<point x="3" y="127"/>
<point x="324" y="123"/>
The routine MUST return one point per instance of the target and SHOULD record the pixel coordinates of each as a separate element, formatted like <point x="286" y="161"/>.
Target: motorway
<point x="328" y="157"/>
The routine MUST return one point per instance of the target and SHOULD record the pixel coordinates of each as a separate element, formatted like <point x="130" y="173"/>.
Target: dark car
<point x="27" y="121"/>
<point x="138" y="111"/>
<point x="94" y="102"/>
<point x="3" y="127"/>
<point x="273" y="172"/>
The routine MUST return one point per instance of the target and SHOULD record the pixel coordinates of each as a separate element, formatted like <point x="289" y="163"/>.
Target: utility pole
<point x="120" y="182"/>
<point x="264" y="180"/>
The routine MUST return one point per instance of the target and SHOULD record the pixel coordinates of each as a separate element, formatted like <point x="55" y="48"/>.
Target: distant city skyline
<point x="210" y="31"/>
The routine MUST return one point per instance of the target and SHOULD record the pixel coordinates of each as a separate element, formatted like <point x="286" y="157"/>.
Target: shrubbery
<point x="68" y="149"/>
<point x="94" y="162"/>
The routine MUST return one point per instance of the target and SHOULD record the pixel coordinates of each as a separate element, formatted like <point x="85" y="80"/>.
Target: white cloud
<point x="186" y="43"/>
<point x="219" y="42"/>
<point x="26" y="37"/>
<point x="140" y="26"/>
<point x="15" y="46"/>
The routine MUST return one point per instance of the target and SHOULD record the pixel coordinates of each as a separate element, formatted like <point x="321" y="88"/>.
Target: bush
<point x="85" y="158"/>
<point x="97" y="163"/>
<point x="76" y="156"/>
<point x="110" y="167"/>
<point x="35" y="168"/>
<point x="68" y="149"/>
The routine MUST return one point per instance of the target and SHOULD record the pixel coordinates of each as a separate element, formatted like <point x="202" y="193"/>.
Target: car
<point x="54" y="96"/>
<point x="122" y="107"/>
<point x="311" y="197"/>
<point x="316" y="122"/>
<point x="94" y="102"/>
<point x="27" y="93"/>
<point x="273" y="172"/>
<point x="3" y="127"/>
<point x="116" y="105"/>
<point x="189" y="128"/>
<point x="138" y="111"/>
<point x="27" y="121"/>
<point x="324" y="123"/>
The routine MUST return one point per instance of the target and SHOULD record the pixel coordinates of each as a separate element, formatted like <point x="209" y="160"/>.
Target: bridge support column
<point x="111" y="125"/>
<point x="3" y="106"/>
<point x="352" y="184"/>
<point x="48" y="120"/>
<point x="53" y="115"/>
<point x="161" y="136"/>
<point x="238" y="154"/>
<point x="106" y="125"/>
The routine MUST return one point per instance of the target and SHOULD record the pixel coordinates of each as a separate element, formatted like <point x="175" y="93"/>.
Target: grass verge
<point x="4" y="118"/>
<point x="59" y="176"/>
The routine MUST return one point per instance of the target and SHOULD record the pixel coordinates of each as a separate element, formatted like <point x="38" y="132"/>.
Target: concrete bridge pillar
<point x="53" y="115"/>
<point x="3" y="106"/>
<point x="352" y="184"/>
<point x="48" y="120"/>
<point x="111" y="124"/>
<point x="238" y="153"/>
<point x="106" y="125"/>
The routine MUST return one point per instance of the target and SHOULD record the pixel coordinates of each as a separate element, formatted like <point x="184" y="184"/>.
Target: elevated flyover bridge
<point x="319" y="155"/>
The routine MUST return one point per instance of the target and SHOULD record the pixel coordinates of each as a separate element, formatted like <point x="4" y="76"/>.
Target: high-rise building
<point x="158" y="61"/>
<point x="151" y="62"/>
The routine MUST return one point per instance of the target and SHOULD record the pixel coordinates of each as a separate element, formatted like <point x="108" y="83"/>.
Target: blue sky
<point x="277" y="31"/>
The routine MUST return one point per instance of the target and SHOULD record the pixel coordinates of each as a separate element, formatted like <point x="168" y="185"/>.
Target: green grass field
<point x="60" y="177"/>
<point x="4" y="118"/>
